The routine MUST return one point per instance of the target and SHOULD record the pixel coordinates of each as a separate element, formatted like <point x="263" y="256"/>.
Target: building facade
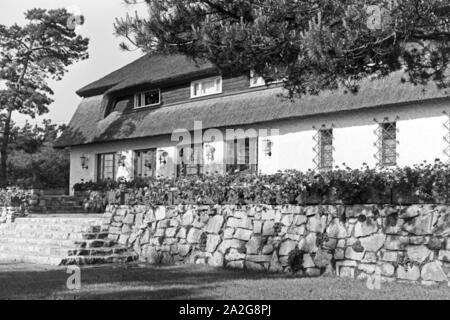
<point x="167" y="116"/>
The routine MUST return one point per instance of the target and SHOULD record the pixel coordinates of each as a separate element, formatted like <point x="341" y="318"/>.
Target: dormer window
<point x="206" y="87"/>
<point x="255" y="80"/>
<point x="147" y="99"/>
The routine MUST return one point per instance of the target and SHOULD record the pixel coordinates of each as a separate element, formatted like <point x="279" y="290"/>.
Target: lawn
<point x="139" y="281"/>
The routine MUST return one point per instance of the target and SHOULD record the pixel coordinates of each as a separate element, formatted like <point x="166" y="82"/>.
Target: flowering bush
<point x="428" y="183"/>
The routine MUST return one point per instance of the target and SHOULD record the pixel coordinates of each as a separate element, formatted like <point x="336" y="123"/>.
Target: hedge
<point x="424" y="183"/>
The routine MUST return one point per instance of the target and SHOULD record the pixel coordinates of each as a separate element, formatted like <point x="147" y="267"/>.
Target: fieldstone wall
<point x="396" y="243"/>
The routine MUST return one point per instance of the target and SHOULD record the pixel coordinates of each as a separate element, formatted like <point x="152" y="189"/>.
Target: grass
<point x="192" y="282"/>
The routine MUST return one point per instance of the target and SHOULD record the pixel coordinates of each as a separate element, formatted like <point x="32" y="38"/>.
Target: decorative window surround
<point x="387" y="142"/>
<point x="149" y="98"/>
<point x="324" y="148"/>
<point x="447" y="137"/>
<point x="206" y="87"/>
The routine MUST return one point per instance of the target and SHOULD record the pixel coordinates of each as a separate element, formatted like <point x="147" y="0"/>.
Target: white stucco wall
<point x="420" y="135"/>
<point x="421" y="140"/>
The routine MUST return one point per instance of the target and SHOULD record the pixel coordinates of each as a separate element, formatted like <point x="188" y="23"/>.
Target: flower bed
<point x="425" y="183"/>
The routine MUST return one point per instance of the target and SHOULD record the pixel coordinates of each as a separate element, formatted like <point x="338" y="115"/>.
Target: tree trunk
<point x="4" y="149"/>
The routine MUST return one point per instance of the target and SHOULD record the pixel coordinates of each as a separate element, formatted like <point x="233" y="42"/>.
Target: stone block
<point x="353" y="255"/>
<point x="300" y="219"/>
<point x="234" y="255"/>
<point x="422" y="225"/>
<point x="217" y="260"/>
<point x="337" y="230"/>
<point x="373" y="243"/>
<point x="308" y="261"/>
<point x="366" y="228"/>
<point x="188" y="218"/>
<point x="214" y="224"/>
<point x="257" y="227"/>
<point x="254" y="266"/>
<point x="418" y="253"/>
<point x="160" y="213"/>
<point x="253" y="245"/>
<point x="213" y="240"/>
<point x="242" y="234"/>
<point x="387" y="269"/>
<point x="433" y="272"/>
<point x="194" y="235"/>
<point x="286" y="247"/>
<point x="314" y="224"/>
<point x="411" y="273"/>
<point x="268" y="228"/>
<point x="268" y="214"/>
<point x="396" y="243"/>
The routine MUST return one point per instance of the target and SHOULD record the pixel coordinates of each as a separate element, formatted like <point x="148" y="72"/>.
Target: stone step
<point x="60" y="227"/>
<point x="25" y="257"/>
<point x="57" y="235"/>
<point x="60" y="221"/>
<point x="35" y="250"/>
<point x="60" y="251"/>
<point x="91" y="260"/>
<point x="81" y="244"/>
<point x="54" y="235"/>
<point x="58" y="240"/>
<point x="37" y="241"/>
<point x="116" y="250"/>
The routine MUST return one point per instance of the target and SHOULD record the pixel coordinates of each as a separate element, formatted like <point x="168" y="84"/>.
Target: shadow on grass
<point x="123" y="282"/>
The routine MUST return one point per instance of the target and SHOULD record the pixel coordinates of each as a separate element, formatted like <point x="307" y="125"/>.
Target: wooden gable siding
<point x="181" y="93"/>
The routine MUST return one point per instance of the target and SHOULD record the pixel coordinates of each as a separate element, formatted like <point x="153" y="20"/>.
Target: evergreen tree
<point x="30" y="55"/>
<point x="311" y="45"/>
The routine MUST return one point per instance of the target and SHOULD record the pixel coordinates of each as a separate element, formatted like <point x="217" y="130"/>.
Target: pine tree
<point x="311" y="45"/>
<point x="30" y="55"/>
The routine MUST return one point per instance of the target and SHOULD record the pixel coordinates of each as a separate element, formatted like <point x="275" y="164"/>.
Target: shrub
<point x="295" y="260"/>
<point x="425" y="183"/>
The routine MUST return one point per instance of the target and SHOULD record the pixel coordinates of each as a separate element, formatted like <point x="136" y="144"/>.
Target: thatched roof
<point x="88" y="125"/>
<point x="148" y="69"/>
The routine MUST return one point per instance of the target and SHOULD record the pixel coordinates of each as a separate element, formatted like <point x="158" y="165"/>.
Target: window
<point x="255" y="80"/>
<point x="145" y="163"/>
<point x="190" y="160"/>
<point x="242" y="155"/>
<point x="107" y="164"/>
<point x="388" y="143"/>
<point x="206" y="87"/>
<point x="326" y="149"/>
<point x="147" y="99"/>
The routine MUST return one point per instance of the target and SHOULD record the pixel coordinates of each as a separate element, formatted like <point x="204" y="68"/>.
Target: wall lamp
<point x="84" y="162"/>
<point x="268" y="144"/>
<point x="210" y="150"/>
<point x="163" y="157"/>
<point x="121" y="159"/>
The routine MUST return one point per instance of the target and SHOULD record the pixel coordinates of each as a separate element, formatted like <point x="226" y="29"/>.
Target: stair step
<point x="26" y="257"/>
<point x="79" y="244"/>
<point x="60" y="221"/>
<point x="90" y="260"/>
<point x="58" y="240"/>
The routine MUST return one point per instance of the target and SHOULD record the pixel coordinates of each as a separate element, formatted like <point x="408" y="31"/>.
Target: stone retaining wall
<point x="407" y="244"/>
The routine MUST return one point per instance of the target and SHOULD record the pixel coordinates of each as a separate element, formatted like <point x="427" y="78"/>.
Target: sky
<point x="104" y="51"/>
